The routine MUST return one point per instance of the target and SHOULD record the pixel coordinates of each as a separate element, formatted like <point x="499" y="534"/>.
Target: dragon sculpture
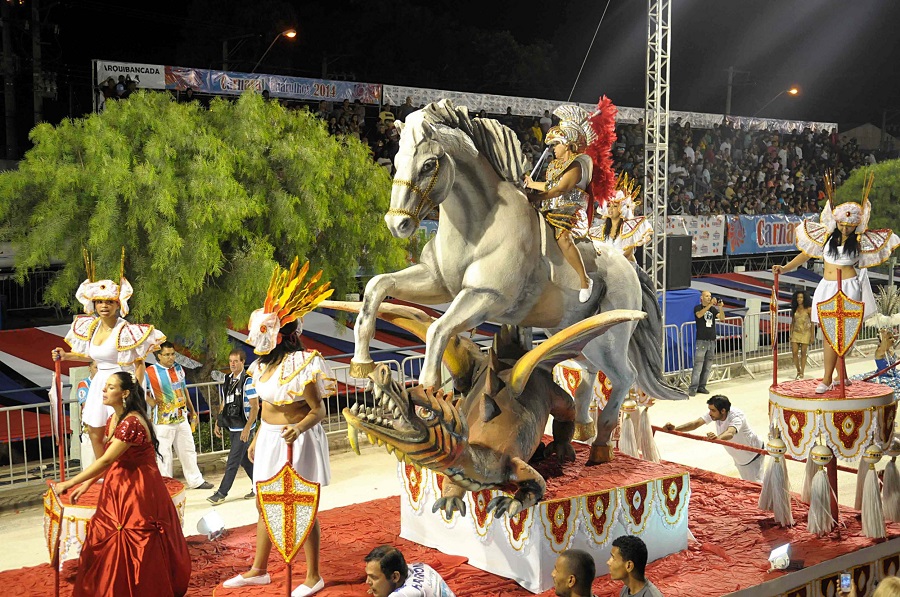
<point x="485" y="437"/>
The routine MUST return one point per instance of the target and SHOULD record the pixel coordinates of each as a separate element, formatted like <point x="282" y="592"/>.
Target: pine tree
<point x="204" y="203"/>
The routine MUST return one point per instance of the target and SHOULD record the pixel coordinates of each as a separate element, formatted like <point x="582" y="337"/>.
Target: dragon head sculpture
<point x="418" y="425"/>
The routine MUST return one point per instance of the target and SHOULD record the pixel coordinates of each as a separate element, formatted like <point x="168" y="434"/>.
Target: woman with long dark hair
<point x="843" y="241"/>
<point x="291" y="384"/>
<point x="619" y="228"/>
<point x="134" y="544"/>
<point x="801" y="330"/>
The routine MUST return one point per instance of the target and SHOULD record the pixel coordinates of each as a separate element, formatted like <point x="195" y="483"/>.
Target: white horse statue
<point x="494" y="259"/>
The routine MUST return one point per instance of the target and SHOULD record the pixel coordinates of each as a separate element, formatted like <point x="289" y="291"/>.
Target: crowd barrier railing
<point x="27" y="454"/>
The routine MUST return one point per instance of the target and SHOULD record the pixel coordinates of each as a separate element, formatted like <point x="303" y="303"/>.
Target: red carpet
<point x="733" y="543"/>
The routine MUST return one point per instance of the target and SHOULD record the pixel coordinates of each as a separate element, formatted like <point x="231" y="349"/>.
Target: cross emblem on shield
<point x="840" y="318"/>
<point x="289" y="504"/>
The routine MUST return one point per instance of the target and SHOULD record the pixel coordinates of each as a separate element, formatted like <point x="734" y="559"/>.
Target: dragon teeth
<point x="353" y="437"/>
<point x="355" y="408"/>
<point x="372" y="439"/>
<point x="396" y="411"/>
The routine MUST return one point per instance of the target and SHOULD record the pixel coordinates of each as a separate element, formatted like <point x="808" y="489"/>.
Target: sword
<point x="540" y="162"/>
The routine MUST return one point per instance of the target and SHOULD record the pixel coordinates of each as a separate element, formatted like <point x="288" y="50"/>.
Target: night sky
<point x="839" y="52"/>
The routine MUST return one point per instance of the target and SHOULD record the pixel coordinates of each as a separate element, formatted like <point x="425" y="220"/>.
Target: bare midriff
<point x="290" y="413"/>
<point x="831" y="272"/>
<point x="285" y="414"/>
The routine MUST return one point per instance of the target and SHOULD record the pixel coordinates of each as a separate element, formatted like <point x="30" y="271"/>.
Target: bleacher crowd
<point x="723" y="170"/>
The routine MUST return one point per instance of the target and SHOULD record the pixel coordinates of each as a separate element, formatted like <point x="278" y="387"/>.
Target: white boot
<point x="585" y="293"/>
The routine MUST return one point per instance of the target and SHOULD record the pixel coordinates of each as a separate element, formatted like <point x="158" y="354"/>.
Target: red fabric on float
<point x="731" y="551"/>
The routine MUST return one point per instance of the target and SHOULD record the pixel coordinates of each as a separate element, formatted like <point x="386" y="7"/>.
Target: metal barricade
<point x="29" y="294"/>
<point x="730" y="335"/>
<point x="28" y="451"/>
<point x="673" y="356"/>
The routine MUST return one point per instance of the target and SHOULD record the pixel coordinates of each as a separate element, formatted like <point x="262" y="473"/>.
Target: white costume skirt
<point x="310" y="454"/>
<point x="95" y="413"/>
<point x="858" y="288"/>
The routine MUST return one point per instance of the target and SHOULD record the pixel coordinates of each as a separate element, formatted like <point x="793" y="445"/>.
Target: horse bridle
<point x="424" y="199"/>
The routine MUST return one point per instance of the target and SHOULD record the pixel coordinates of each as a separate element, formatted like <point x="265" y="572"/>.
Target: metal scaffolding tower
<point x="656" y="140"/>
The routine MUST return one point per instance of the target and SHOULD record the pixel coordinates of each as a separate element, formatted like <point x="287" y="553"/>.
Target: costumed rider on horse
<point x="565" y="199"/>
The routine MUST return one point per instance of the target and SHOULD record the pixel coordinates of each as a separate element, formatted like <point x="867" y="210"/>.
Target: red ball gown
<point x="134" y="544"/>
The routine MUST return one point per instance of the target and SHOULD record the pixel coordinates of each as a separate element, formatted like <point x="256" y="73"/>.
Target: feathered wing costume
<point x="603" y="183"/>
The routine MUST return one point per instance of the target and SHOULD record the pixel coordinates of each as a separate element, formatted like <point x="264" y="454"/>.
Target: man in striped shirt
<point x="240" y="406"/>
<point x="170" y="407"/>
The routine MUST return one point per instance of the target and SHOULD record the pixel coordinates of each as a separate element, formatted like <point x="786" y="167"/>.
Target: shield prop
<point x="840" y="318"/>
<point x="289" y="504"/>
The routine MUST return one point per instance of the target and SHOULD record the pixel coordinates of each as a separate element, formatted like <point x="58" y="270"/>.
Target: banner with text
<point x="748" y="235"/>
<point x="708" y="233"/>
<point x="297" y="88"/>
<point x="216" y="82"/>
<point x="147" y="76"/>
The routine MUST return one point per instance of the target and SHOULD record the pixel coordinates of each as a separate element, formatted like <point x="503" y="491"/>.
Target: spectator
<point x="546" y="122"/>
<point x="386" y="115"/>
<point x="360" y="111"/>
<point x="573" y="573"/>
<point x="240" y="407"/>
<point x="406" y="109"/>
<point x="188" y="96"/>
<point x="732" y="426"/>
<point x="508" y="119"/>
<point x="537" y="133"/>
<point x="705" y="316"/>
<point x="173" y="417"/>
<point x="626" y="563"/>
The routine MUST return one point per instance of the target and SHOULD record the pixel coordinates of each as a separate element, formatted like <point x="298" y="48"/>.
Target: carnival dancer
<point x="619" y="228"/>
<point x="102" y="335"/>
<point x="564" y="196"/>
<point x="842" y="239"/>
<point x="134" y="543"/>
<point x="801" y="330"/>
<point x="291" y="384"/>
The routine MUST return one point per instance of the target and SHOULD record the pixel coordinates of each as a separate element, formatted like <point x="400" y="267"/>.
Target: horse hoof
<point x="600" y="455"/>
<point x="584" y="431"/>
<point x="362" y="369"/>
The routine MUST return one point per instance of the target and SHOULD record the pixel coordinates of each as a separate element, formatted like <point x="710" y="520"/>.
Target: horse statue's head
<point x="432" y="141"/>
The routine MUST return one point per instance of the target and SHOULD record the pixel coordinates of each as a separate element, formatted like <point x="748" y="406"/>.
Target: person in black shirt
<point x="705" y="315"/>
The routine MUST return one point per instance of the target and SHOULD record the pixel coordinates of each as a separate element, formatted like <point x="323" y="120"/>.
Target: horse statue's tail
<point x="644" y="349"/>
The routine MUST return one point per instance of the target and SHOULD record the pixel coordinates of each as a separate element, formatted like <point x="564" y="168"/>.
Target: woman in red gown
<point x="134" y="544"/>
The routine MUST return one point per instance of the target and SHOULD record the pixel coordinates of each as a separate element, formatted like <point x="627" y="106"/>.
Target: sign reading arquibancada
<point x="147" y="76"/>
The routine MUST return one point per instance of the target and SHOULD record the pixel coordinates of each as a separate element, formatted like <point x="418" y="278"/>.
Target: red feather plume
<point x="603" y="182"/>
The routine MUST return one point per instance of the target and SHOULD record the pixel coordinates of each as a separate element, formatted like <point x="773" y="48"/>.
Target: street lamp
<point x="792" y="91"/>
<point x="289" y="33"/>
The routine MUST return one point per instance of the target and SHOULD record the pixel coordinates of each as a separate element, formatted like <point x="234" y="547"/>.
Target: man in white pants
<point x="731" y="426"/>
<point x="170" y="407"/>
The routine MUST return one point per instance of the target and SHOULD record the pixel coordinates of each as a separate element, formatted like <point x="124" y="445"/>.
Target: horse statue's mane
<point x="493" y="140"/>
